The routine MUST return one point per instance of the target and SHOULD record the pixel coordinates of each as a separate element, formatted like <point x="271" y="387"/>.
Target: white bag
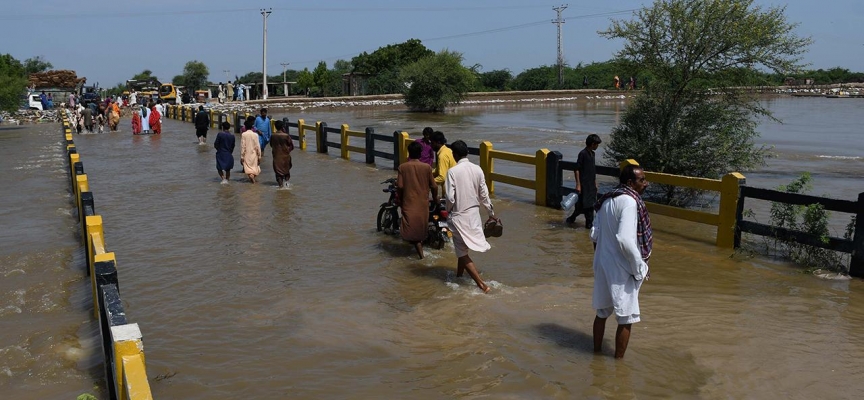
<point x="568" y="203"/>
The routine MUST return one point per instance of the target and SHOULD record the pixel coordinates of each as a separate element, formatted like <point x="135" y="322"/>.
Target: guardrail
<point x="549" y="167"/>
<point x="122" y="345"/>
<point x="853" y="246"/>
<point x="728" y="188"/>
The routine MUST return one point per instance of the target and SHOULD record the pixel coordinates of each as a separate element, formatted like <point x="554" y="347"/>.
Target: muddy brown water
<point x="246" y="291"/>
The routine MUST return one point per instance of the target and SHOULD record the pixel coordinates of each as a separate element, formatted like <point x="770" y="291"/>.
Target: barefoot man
<point x="250" y="151"/>
<point x="622" y="234"/>
<point x="466" y="190"/>
<point x="414" y="182"/>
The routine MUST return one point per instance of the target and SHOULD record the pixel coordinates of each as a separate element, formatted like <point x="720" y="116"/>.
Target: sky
<point x="110" y="41"/>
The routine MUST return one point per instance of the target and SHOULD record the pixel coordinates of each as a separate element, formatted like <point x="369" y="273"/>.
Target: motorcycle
<point x="388" y="221"/>
<point x="437" y="231"/>
<point x="388" y="214"/>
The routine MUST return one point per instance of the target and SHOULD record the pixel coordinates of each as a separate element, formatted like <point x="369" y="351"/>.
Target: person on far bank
<point x="250" y="151"/>
<point x="202" y="124"/>
<point x="427" y="154"/>
<point x="623" y="239"/>
<point x="262" y="125"/>
<point x="224" y="145"/>
<point x="466" y="191"/>
<point x="282" y="145"/>
<point x="586" y="181"/>
<point x="444" y="157"/>
<point x="414" y="181"/>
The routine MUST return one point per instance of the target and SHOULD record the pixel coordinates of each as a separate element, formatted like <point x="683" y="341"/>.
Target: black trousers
<point x="589" y="216"/>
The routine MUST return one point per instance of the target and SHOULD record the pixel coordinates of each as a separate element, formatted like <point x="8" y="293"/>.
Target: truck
<point x="153" y="89"/>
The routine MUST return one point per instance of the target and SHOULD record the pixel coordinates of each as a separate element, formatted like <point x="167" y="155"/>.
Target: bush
<point x="433" y="83"/>
<point x="812" y="219"/>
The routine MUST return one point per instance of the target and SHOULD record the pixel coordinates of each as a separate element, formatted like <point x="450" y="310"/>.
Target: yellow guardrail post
<point x="343" y="141"/>
<point x="486" y="164"/>
<point x="81" y="186"/>
<point x="730" y="186"/>
<point x="320" y="138"/>
<point x="213" y="119"/>
<point x="404" y="139"/>
<point x="301" y="134"/>
<point x="273" y="125"/>
<point x="93" y="225"/>
<point x="540" y="177"/>
<point x="129" y="352"/>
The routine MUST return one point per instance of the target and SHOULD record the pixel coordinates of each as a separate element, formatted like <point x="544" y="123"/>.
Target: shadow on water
<point x="567" y="338"/>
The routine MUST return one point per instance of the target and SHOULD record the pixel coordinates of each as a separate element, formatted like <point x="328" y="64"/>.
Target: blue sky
<point x="109" y="41"/>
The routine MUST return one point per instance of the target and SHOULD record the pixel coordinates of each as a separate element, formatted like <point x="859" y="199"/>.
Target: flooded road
<point x="246" y="291"/>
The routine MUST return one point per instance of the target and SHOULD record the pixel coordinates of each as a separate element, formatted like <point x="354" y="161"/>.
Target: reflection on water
<point x="248" y="291"/>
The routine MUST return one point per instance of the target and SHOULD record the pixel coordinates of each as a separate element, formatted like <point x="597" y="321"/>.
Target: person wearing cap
<point x="224" y="145"/>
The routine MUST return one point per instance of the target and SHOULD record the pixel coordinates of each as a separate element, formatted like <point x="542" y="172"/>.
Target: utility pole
<point x="264" y="15"/>
<point x="227" y="75"/>
<point x="284" y="66"/>
<point x="558" y="21"/>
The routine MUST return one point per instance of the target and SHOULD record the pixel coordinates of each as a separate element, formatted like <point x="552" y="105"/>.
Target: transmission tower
<point x="558" y="21"/>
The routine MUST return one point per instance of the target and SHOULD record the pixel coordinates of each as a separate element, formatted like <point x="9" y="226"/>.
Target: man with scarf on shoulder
<point x="623" y="241"/>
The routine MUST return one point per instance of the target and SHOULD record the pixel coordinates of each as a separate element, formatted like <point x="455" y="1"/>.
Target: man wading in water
<point x="414" y="182"/>
<point x="623" y="240"/>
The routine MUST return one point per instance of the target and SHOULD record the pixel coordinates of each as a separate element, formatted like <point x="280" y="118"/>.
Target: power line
<point x="478" y="33"/>
<point x="20" y="17"/>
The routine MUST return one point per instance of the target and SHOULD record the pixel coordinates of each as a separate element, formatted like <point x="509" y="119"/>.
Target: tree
<point x="321" y="77"/>
<point x="434" y="82"/>
<point x="12" y="82"/>
<point x="194" y="75"/>
<point x="384" y="64"/>
<point x="305" y="80"/>
<point x="689" y="120"/>
<point x="497" y="80"/>
<point x="36" y="64"/>
<point x="145" y="75"/>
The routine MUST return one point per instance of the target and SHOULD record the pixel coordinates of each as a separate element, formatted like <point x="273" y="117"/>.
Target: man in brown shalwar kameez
<point x="414" y="182"/>
<point x="282" y="145"/>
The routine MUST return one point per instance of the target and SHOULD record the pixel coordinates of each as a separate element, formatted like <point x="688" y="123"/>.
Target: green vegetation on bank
<point x="13" y="79"/>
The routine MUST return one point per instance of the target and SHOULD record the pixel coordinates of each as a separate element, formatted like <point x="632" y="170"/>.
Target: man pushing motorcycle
<point x="414" y="182"/>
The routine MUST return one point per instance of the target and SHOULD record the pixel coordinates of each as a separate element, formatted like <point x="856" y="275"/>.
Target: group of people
<point x="631" y="85"/>
<point x="229" y="91"/>
<point x="621" y="231"/>
<point x="256" y="135"/>
<point x="147" y="118"/>
<point x="94" y="116"/>
<point x="432" y="163"/>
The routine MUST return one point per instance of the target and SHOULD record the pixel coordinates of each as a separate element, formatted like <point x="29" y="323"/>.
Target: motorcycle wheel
<point x="388" y="220"/>
<point x="434" y="237"/>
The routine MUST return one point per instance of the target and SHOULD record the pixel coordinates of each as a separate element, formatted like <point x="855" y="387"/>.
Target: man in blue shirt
<point x="262" y="125"/>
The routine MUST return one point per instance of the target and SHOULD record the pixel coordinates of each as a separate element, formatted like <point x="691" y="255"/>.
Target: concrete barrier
<point x="122" y="345"/>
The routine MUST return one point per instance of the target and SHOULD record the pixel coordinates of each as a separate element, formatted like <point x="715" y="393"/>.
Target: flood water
<point x="246" y="291"/>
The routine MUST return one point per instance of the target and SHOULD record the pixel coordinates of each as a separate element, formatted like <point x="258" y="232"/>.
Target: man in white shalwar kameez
<point x="465" y="189"/>
<point x="623" y="240"/>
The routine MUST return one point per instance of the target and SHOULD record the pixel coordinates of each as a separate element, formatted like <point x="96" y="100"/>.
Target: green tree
<point x="194" y="75"/>
<point x="434" y="82"/>
<point x="689" y="120"/>
<point x="12" y="82"/>
<point x="144" y="76"/>
<point x="36" y="64"/>
<point x="538" y="78"/>
<point x="383" y="65"/>
<point x="497" y="80"/>
<point x="305" y="80"/>
<point x="321" y="76"/>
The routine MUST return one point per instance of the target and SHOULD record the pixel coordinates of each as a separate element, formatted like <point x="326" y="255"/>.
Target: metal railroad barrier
<point x="122" y="347"/>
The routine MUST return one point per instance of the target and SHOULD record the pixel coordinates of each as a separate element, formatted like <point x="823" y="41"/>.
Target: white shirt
<point x="618" y="266"/>
<point x="465" y="190"/>
<point x="161" y="109"/>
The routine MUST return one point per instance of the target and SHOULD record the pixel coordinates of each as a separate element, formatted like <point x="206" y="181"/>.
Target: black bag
<point x="493" y="227"/>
